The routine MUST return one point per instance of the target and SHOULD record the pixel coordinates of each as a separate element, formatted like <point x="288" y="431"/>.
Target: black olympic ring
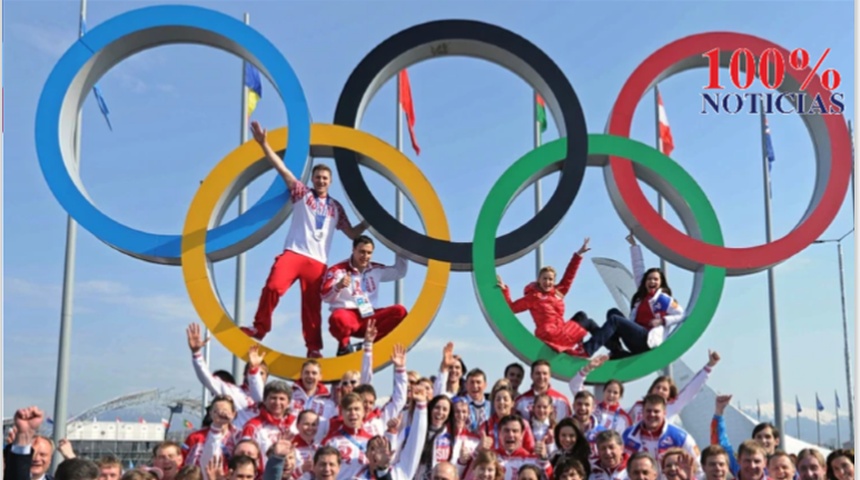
<point x="473" y="39"/>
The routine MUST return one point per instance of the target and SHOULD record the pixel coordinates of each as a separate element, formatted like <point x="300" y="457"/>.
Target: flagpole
<point x="818" y="419"/>
<point x="660" y="206"/>
<point x="398" y="199"/>
<point x="239" y="299"/>
<point x="538" y="190"/>
<point x="771" y="288"/>
<point x="64" y="356"/>
<point x="838" y="433"/>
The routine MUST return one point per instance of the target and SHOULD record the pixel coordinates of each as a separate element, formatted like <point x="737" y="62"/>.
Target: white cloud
<point x="52" y="42"/>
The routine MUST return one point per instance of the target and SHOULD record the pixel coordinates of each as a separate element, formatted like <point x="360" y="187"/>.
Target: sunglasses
<point x="353" y="382"/>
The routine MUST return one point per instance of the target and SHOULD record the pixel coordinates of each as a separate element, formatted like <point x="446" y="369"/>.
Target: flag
<point x="818" y="404"/>
<point x="768" y="145"/>
<point x="406" y="103"/>
<point x="836" y="394"/>
<point x="540" y="112"/>
<point x="50" y="420"/>
<point x="188" y="424"/>
<point x="666" y="142"/>
<point x="96" y="91"/>
<point x="253" y="85"/>
<point x="797" y="401"/>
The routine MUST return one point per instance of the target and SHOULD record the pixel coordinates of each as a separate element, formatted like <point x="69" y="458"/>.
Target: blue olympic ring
<point x="120" y="37"/>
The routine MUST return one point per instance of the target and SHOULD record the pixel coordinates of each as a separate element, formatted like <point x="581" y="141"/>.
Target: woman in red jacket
<point x="544" y="299"/>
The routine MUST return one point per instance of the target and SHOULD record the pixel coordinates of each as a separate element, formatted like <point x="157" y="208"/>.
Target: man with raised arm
<point x="315" y="218"/>
<point x="247" y="396"/>
<point x="351" y="288"/>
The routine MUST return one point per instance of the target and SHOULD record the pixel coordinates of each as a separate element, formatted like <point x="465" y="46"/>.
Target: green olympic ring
<point x="508" y="327"/>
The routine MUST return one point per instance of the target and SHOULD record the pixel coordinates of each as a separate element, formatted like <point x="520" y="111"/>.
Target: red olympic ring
<point x="687" y="52"/>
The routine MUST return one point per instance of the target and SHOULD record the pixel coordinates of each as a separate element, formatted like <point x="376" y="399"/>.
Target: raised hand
<point x="500" y="283"/>
<point x="65" y="448"/>
<point x="344" y="282"/>
<point x="631" y="239"/>
<point x="448" y="357"/>
<point x="398" y="356"/>
<point x="10" y="436"/>
<point x="584" y="248"/>
<point x="27" y="423"/>
<point x="721" y="403"/>
<point x="215" y="468"/>
<point x="594" y="363"/>
<point x="255" y="356"/>
<point x="486" y="441"/>
<point x="687" y="465"/>
<point x="195" y="339"/>
<point x="394" y="425"/>
<point x="370" y="332"/>
<point x="713" y="359"/>
<point x="540" y="450"/>
<point x="258" y="132"/>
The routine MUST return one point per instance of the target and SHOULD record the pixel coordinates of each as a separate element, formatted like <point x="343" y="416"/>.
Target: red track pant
<point x="289" y="267"/>
<point x="347" y="322"/>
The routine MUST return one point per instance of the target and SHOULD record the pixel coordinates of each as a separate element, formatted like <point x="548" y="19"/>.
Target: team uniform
<point x="560" y="404"/>
<point x="599" y="472"/>
<point x="685" y="396"/>
<point x="547" y="310"/>
<point x="611" y="417"/>
<point x="406" y="466"/>
<point x="203" y="445"/>
<point x="304" y="258"/>
<point x="514" y="461"/>
<point x="246" y="398"/>
<point x="354" y="305"/>
<point x="322" y="402"/>
<point x="491" y="429"/>
<point x="638" y="439"/>
<point x="266" y="430"/>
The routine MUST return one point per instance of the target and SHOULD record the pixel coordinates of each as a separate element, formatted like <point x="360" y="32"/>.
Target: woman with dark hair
<point x="653" y="311"/>
<point x="569" y="469"/>
<point x="570" y="444"/>
<point x="840" y="464"/>
<point x="439" y="443"/>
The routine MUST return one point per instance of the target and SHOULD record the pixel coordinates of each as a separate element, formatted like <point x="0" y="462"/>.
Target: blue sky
<point x="175" y="112"/>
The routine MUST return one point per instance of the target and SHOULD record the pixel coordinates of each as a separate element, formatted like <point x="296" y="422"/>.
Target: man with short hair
<point x="167" y="457"/>
<point x="642" y="466"/>
<point x="110" y="468"/>
<point x="315" y="218"/>
<point x="655" y="435"/>
<point x="241" y="467"/>
<point x="585" y="419"/>
<point x="540" y="373"/>
<point x="326" y="464"/>
<point x="77" y="469"/>
<point x="478" y="401"/>
<point x="511" y="454"/>
<point x="715" y="463"/>
<point x="753" y="459"/>
<point x="309" y="393"/>
<point x="611" y="460"/>
<point x="29" y="455"/>
<point x="445" y="471"/>
<point x="351" y="288"/>
<point x="275" y="418"/>
<point x="780" y="466"/>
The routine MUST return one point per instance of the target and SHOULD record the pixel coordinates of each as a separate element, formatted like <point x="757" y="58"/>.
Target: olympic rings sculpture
<point x="204" y="240"/>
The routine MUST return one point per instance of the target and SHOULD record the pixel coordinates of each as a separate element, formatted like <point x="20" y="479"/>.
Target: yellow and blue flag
<point x="254" y="86"/>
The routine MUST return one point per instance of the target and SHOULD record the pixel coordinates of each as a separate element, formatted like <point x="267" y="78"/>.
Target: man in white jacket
<point x="350" y="288"/>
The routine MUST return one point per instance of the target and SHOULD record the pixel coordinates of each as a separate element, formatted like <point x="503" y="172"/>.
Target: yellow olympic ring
<point x="216" y="186"/>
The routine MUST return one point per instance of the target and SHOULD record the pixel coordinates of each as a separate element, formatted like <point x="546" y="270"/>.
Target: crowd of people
<point x="454" y="424"/>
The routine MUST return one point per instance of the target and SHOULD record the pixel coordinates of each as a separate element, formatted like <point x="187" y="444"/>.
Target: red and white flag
<point x="666" y="142"/>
